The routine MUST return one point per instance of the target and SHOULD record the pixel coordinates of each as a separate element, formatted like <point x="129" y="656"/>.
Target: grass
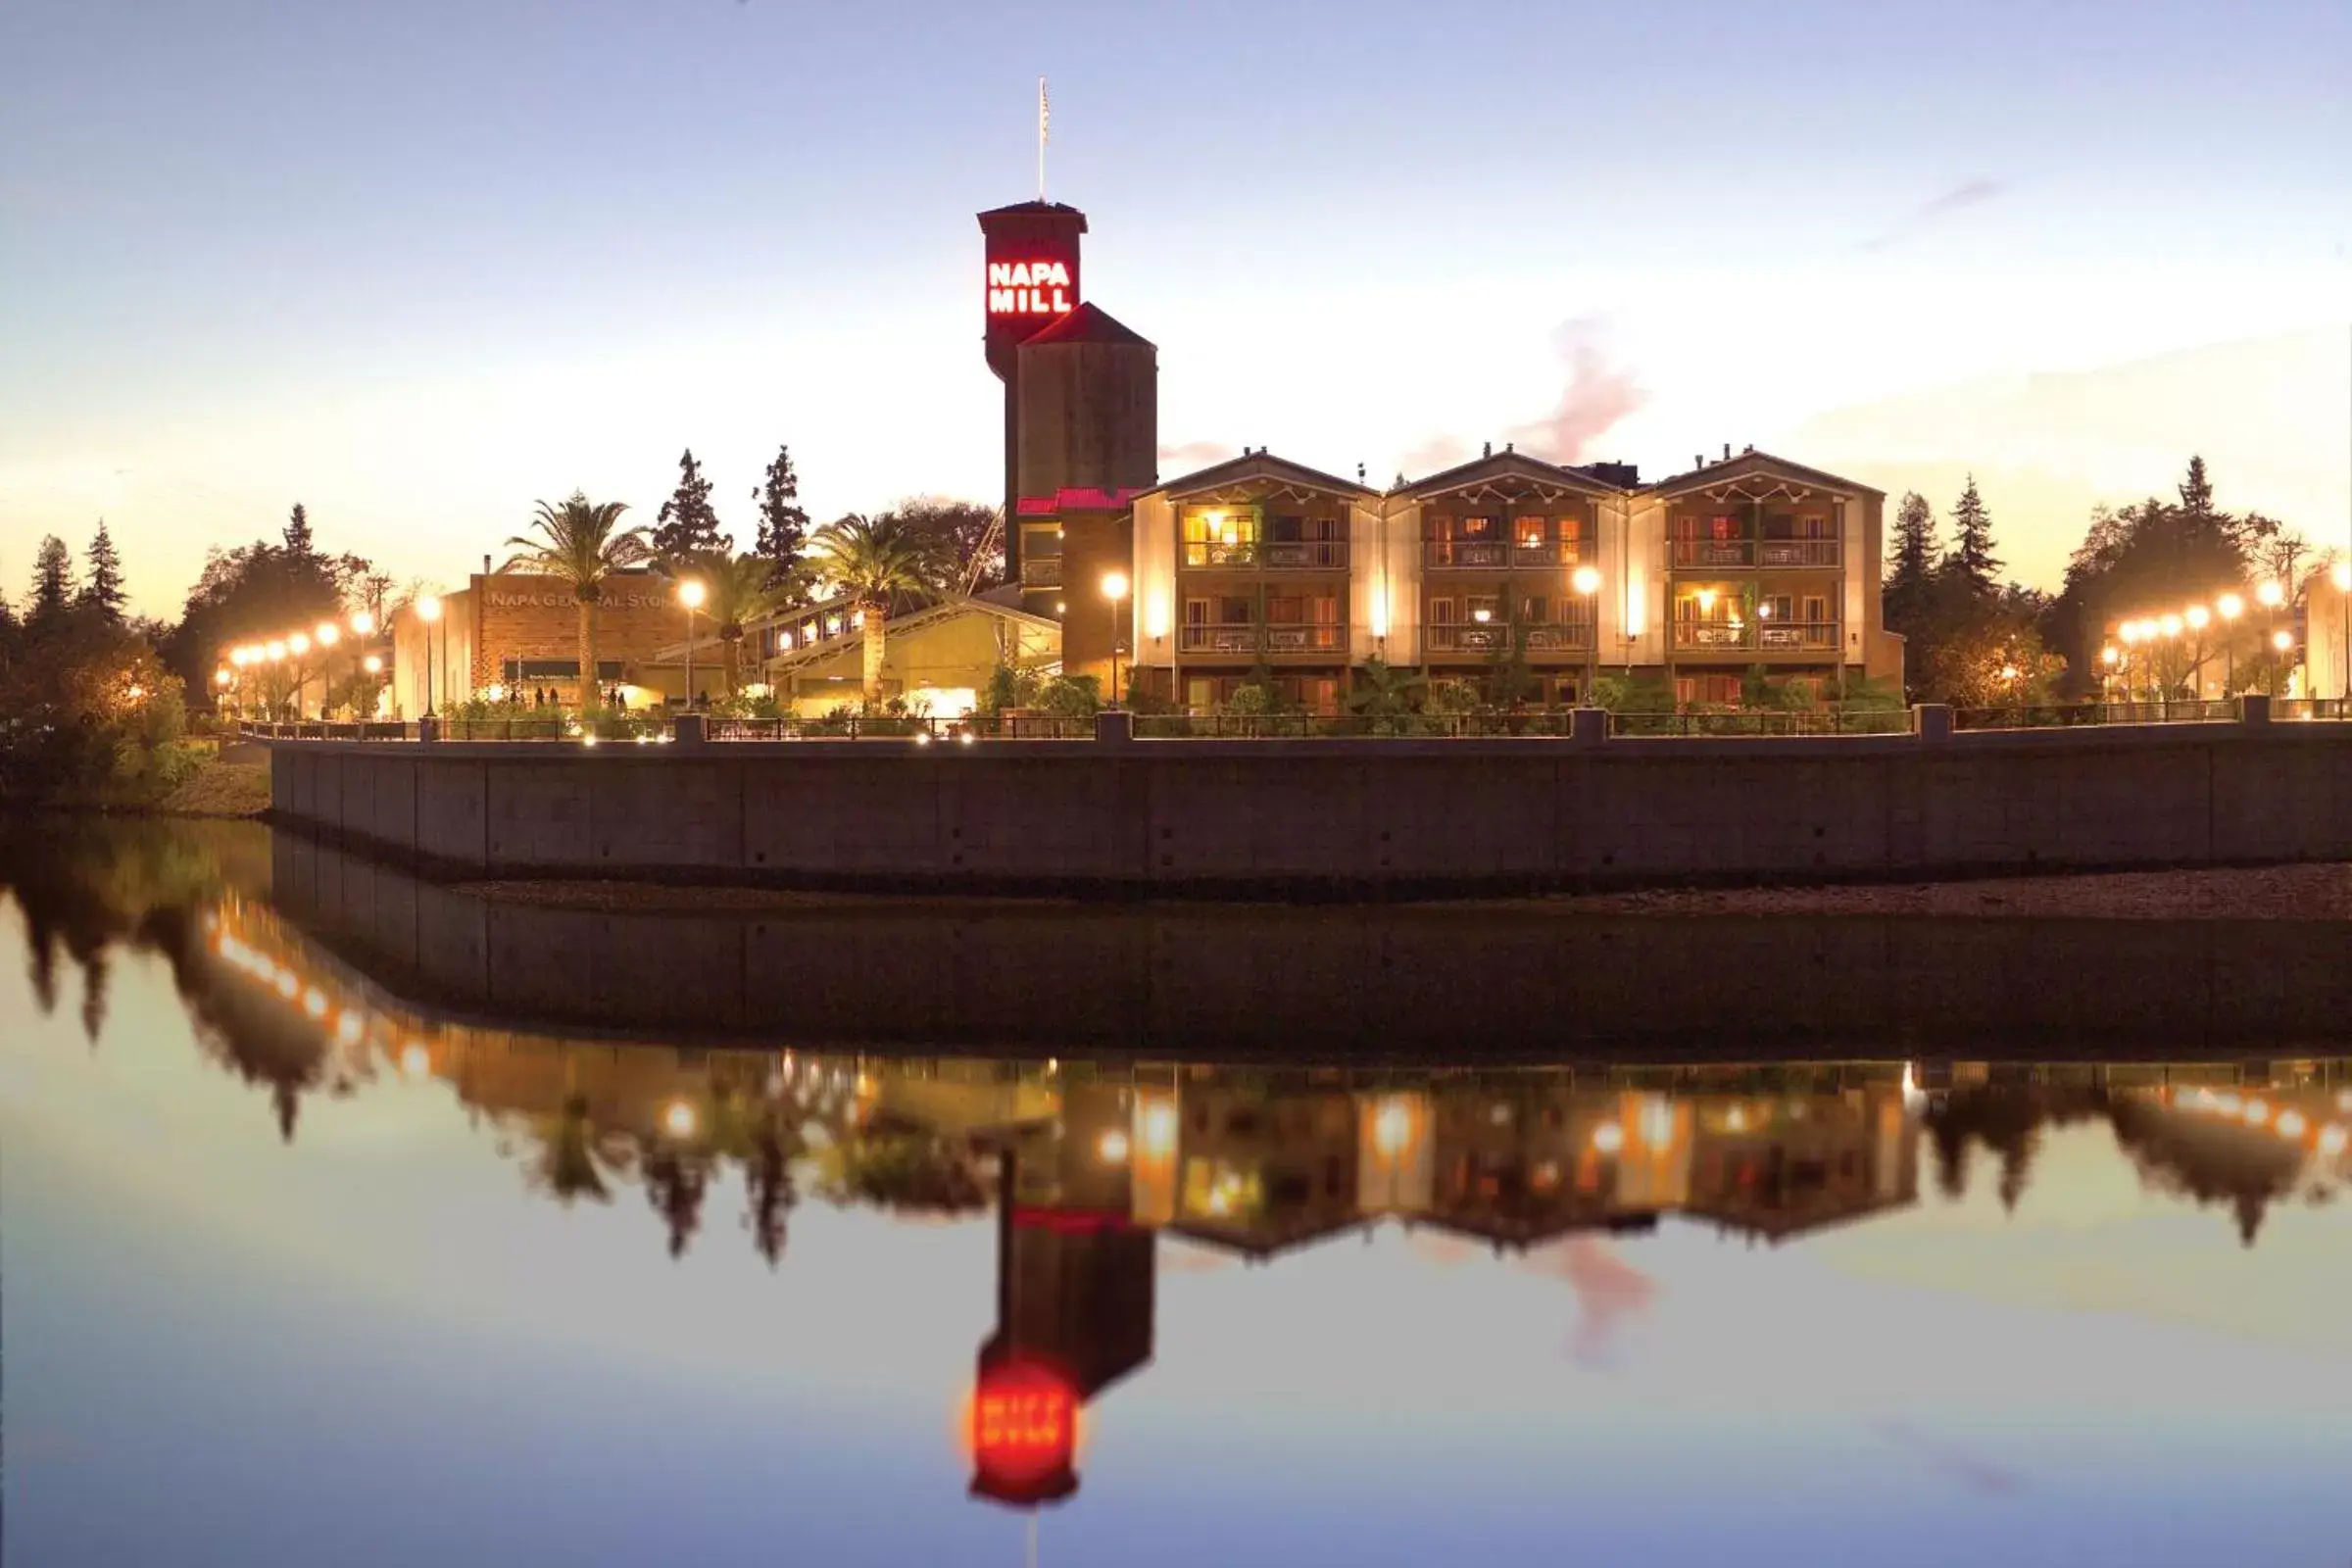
<point x="220" y="790"/>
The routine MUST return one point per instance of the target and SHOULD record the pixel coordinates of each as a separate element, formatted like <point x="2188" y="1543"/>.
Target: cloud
<point x="1610" y="1293"/>
<point x="1438" y="453"/>
<point x="1596" y="397"/>
<point x="1978" y="1475"/>
<point x="1968" y="194"/>
<point x="1196" y="453"/>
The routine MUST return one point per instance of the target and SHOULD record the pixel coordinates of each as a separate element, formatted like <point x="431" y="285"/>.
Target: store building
<point x="512" y="632"/>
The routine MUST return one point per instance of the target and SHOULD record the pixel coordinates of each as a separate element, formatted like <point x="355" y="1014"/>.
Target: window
<point x="1532" y="533"/>
<point x="1197" y="613"/>
<point x="1817" y="609"/>
<point x="1476" y="528"/>
<point x="1441" y="611"/>
<point x="1200" y="693"/>
<point x="1723" y="525"/>
<point x="1775" y="607"/>
<point x="1535" y="611"/>
<point x="1225" y="525"/>
<point x="1813" y="527"/>
<point x="1481" y="606"/>
<point x="1285" y="609"/>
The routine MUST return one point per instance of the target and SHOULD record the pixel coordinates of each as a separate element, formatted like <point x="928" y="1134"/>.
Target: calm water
<point x="298" y="1267"/>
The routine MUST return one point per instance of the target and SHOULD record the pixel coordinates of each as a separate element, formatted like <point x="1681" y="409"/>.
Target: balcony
<point x="1245" y="638"/>
<point x="1041" y="572"/>
<point x="1273" y="555"/>
<point x="1487" y="637"/>
<point x="1498" y="554"/>
<point x="1761" y="636"/>
<point x="1700" y="553"/>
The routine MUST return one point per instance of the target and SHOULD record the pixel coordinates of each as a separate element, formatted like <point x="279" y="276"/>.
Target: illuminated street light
<point x="2197" y="616"/>
<point x="428" y="611"/>
<point x="373" y="665"/>
<point x="2231" y="606"/>
<point x="363" y="625"/>
<point x="2271" y="594"/>
<point x="328" y="634"/>
<point x="1115" y="590"/>
<point x="679" y="1119"/>
<point x="1112" y="1147"/>
<point x="1587" y="583"/>
<point x="298" y="644"/>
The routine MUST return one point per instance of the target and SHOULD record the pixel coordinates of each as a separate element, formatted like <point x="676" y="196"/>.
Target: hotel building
<point x="1523" y="577"/>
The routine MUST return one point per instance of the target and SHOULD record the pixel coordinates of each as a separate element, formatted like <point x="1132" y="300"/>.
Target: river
<point x="346" y="1220"/>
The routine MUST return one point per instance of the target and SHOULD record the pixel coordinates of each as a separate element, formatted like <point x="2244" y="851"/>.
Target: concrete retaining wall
<point x="1339" y="817"/>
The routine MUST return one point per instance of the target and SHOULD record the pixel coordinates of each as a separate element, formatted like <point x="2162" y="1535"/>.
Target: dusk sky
<point x="417" y="266"/>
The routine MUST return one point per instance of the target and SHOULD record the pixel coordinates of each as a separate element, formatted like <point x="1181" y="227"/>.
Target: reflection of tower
<point x="1074" y="1292"/>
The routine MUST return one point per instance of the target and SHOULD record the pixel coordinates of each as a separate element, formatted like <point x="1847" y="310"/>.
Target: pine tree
<point x="52" y="584"/>
<point x="1914" y="546"/>
<point x="103" y="593"/>
<point x="783" y="526"/>
<point x="687" y="526"/>
<point x="1971" y="559"/>
<point x="298" y="532"/>
<point x="2196" y="491"/>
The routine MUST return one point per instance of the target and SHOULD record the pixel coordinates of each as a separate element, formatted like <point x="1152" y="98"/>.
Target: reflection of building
<point x="1260" y="1172"/>
<point x="1074" y="1270"/>
<point x="1781" y="1167"/>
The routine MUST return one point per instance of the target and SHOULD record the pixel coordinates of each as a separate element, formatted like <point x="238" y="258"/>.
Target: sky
<point x="374" y="1345"/>
<point x="420" y="266"/>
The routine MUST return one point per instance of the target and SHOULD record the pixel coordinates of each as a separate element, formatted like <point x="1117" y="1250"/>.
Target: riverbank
<point x="2319" y="892"/>
<point x="217" y="791"/>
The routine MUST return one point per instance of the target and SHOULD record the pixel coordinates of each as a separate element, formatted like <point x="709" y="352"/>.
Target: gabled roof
<point x="1088" y="324"/>
<point x="1507" y="465"/>
<point x="900" y="626"/>
<point x="1252" y="466"/>
<point x="1751" y="464"/>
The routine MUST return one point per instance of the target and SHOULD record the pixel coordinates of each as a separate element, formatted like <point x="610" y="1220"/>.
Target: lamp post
<point x="2199" y="619"/>
<point x="428" y="611"/>
<point x="2341" y="576"/>
<point x="372" y="667"/>
<point x="299" y="645"/>
<point x="1114" y="589"/>
<point x="2230" y="606"/>
<point x="690" y="594"/>
<point x="1587" y="582"/>
<point x="2271" y="597"/>
<point x="2108" y="656"/>
<point x="362" y="627"/>
<point x="274" y="650"/>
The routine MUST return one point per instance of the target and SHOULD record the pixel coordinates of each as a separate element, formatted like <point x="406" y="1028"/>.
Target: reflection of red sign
<point x="1029" y="288"/>
<point x="1024" y="1432"/>
<point x="1071" y="1221"/>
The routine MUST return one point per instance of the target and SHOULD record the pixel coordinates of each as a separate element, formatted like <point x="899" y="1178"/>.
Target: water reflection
<point x="1101" y="1178"/>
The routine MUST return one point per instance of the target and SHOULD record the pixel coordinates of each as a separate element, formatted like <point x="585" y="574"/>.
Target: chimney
<point x="1489" y="452"/>
<point x="1359" y="473"/>
<point x="485" y="565"/>
<point x="1726" y="452"/>
<point x="1510" y="446"/>
<point x="1698" y="460"/>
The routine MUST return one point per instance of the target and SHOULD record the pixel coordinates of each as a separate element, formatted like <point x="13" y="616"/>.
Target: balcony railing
<point x="1274" y="555"/>
<point x="1477" y="637"/>
<point x="1766" y="636"/>
<point x="1041" y="572"/>
<point x="1771" y="553"/>
<point x="1798" y="553"/>
<point x="1500" y="555"/>
<point x="1246" y="638"/>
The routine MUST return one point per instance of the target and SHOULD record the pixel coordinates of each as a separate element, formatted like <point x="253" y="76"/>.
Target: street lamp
<point x="2108" y="656"/>
<point x="428" y="611"/>
<point x="1114" y="589"/>
<point x="2281" y="641"/>
<point x="690" y="594"/>
<point x="2199" y="619"/>
<point x="2272" y="596"/>
<point x="2341" y="576"/>
<point x="1587" y="583"/>
<point x="2230" y="606"/>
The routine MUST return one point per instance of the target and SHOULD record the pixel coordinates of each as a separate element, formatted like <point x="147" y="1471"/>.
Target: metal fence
<point x="2066" y="715"/>
<point x="1819" y="721"/>
<point x="1830" y="720"/>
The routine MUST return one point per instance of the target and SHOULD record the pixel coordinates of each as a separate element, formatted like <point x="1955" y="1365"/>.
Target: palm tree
<point x="872" y="561"/>
<point x="736" y="589"/>
<point x="582" y="543"/>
